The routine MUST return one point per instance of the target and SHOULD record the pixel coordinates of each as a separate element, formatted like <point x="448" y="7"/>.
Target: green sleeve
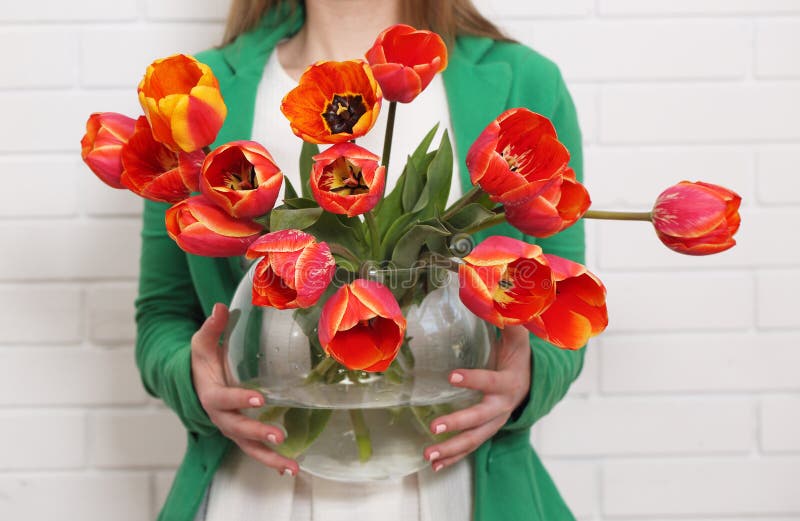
<point x="553" y="369"/>
<point x="167" y="315"/>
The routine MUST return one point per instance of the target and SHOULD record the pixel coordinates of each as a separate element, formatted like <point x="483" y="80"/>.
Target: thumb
<point x="209" y="333"/>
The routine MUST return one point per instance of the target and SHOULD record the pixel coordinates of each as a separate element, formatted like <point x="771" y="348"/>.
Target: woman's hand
<point x="222" y="403"/>
<point x="503" y="388"/>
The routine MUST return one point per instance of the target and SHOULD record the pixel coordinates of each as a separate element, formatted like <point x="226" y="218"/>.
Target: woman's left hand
<point x="504" y="388"/>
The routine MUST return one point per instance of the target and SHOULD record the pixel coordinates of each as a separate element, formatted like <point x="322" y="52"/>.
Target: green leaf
<point x="293" y="219"/>
<point x="421" y="151"/>
<point x="288" y="192"/>
<point x="413" y="185"/>
<point x="390" y="208"/>
<point x="471" y="215"/>
<point x="299" y="202"/>
<point x="328" y="227"/>
<point x="396" y="230"/>
<point x="303" y="426"/>
<point x="433" y="199"/>
<point x="407" y="250"/>
<point x="307" y="153"/>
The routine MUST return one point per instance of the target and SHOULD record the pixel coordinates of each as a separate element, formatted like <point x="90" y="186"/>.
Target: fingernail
<point x="438" y="467"/>
<point x="255" y="401"/>
<point x="456" y="378"/>
<point x="214" y="310"/>
<point x="272" y="438"/>
<point x="440" y="428"/>
<point x="289" y="471"/>
<point x="434" y="455"/>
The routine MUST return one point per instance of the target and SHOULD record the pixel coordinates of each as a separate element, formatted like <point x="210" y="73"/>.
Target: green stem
<point x="361" y="431"/>
<point x="342" y="251"/>
<point x="470" y="197"/>
<point x="318" y="373"/>
<point x="372" y="224"/>
<point x="387" y="138"/>
<point x="618" y="216"/>
<point x="499" y="217"/>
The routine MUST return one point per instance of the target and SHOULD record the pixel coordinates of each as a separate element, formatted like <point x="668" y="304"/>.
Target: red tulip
<point x="155" y="172"/>
<point x="516" y="150"/>
<point x="361" y="326"/>
<point x="506" y="281"/>
<point x="201" y="228"/>
<point x="241" y="177"/>
<point x="181" y="98"/>
<point x="295" y="270"/>
<point x="101" y="146"/>
<point x="346" y="179"/>
<point x="546" y="210"/>
<point x="579" y="310"/>
<point x="404" y="60"/>
<point x="697" y="218"/>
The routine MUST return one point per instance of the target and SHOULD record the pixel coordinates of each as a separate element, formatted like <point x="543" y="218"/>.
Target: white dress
<point x="245" y="490"/>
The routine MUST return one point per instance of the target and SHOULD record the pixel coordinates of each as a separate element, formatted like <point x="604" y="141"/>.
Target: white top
<point x="245" y="490"/>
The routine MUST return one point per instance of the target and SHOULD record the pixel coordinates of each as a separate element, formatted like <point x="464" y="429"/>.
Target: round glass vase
<point x="351" y="425"/>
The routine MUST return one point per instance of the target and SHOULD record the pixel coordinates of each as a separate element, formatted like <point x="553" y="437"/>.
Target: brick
<point x="701" y="486"/>
<point x="777" y="47"/>
<point x="57" y="376"/>
<point x="102" y="49"/>
<point x="100" y="199"/>
<point x="42" y="58"/>
<point x="73" y="249"/>
<point x="699" y="362"/>
<point x="56" y="121"/>
<point x="48" y="184"/>
<point x="110" y="310"/>
<point x="646" y="426"/>
<point x="128" y="439"/>
<point x="513" y="10"/>
<point x="776" y="306"/>
<point x="637" y="7"/>
<point x="27" y="441"/>
<point x="59" y="11"/>
<point x="701" y="113"/>
<point x="162" y="484"/>
<point x="121" y="496"/>
<point x="777" y="181"/>
<point x="756" y="245"/>
<point x="577" y="482"/>
<point x="780" y="423"/>
<point x="187" y="10"/>
<point x="644" y="50"/>
<point x="24" y="309"/>
<point x="679" y="301"/>
<point x="629" y="177"/>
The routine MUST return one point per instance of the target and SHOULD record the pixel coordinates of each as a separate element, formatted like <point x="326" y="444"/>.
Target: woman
<point x="177" y="345"/>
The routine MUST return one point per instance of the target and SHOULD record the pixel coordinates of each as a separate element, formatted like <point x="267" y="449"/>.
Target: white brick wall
<point x="689" y="406"/>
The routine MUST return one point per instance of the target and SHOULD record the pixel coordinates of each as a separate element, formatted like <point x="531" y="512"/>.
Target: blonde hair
<point x="448" y="18"/>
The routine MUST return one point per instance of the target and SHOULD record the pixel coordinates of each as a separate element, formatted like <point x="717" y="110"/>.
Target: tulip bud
<point x="346" y="179"/>
<point x="101" y="146"/>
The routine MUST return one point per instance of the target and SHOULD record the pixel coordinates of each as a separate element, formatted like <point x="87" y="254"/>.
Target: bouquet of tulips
<point x="341" y="220"/>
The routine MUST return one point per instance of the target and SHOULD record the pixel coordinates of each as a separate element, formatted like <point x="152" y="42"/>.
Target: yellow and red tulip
<point x="153" y="171"/>
<point x="295" y="270"/>
<point x="404" y="60"/>
<point x="242" y="178"/>
<point x="505" y="281"/>
<point x="579" y="310"/>
<point x="346" y="179"/>
<point x="181" y="98"/>
<point x="101" y="146"/>
<point x="334" y="102"/>
<point x="202" y="228"/>
<point x="542" y="211"/>
<point x="361" y="326"/>
<point x="697" y="218"/>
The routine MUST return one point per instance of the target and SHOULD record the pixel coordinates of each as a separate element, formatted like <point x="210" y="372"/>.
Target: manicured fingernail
<point x="438" y="467"/>
<point x="440" y="428"/>
<point x="272" y="438"/>
<point x="434" y="455"/>
<point x="289" y="471"/>
<point x="255" y="401"/>
<point x="456" y="378"/>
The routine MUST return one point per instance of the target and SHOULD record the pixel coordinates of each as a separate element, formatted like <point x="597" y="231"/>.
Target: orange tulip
<point x="346" y="179"/>
<point x="334" y="102"/>
<point x="295" y="270"/>
<point x="101" y="146"/>
<point x="405" y="60"/>
<point x="155" y="172"/>
<point x="242" y="178"/>
<point x="201" y="228"/>
<point x="546" y="210"/>
<point x="362" y="327"/>
<point x="181" y="98"/>
<point x="505" y="281"/>
<point x="697" y="218"/>
<point x="579" y="310"/>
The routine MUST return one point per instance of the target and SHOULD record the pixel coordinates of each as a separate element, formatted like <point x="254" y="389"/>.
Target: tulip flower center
<point x="343" y="177"/>
<point x="515" y="162"/>
<point x="504" y="286"/>
<point x="244" y="179"/>
<point x="343" y="112"/>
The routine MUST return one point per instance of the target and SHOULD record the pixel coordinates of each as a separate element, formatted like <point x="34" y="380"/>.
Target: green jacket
<point x="177" y="291"/>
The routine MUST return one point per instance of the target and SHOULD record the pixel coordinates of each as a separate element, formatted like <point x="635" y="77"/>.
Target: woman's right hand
<point x="223" y="403"/>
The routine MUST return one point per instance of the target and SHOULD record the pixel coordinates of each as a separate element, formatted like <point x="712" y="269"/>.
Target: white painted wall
<point x="689" y="406"/>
